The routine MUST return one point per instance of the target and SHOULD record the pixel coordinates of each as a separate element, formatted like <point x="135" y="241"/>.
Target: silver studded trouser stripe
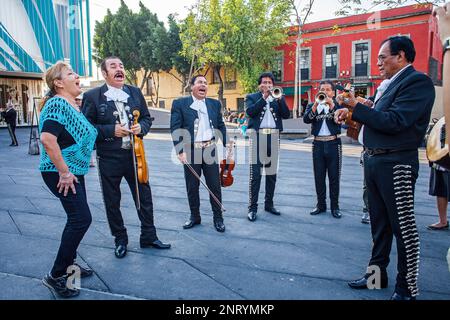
<point x="404" y="201"/>
<point x="391" y="182"/>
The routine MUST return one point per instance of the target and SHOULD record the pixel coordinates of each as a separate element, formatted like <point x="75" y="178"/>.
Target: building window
<point x="150" y="87"/>
<point x="215" y="76"/>
<point x="304" y="64"/>
<point x="240" y="104"/>
<point x="230" y="79"/>
<point x="277" y="67"/>
<point x="62" y="18"/>
<point x="361" y="59"/>
<point x="331" y="62"/>
<point x="162" y="104"/>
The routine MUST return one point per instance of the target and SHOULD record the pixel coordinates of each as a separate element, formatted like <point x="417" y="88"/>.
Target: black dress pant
<point x="264" y="154"/>
<point x="327" y="158"/>
<point x="391" y="181"/>
<point x="12" y="134"/>
<point x="203" y="160"/>
<point x="114" y="165"/>
<point x="78" y="221"/>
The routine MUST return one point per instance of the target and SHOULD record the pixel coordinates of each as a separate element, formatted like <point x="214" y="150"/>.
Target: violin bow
<point x="138" y="200"/>
<point x="204" y="184"/>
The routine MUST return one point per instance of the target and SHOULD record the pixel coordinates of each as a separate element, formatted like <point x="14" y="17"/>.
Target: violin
<point x="141" y="161"/>
<point x="226" y="168"/>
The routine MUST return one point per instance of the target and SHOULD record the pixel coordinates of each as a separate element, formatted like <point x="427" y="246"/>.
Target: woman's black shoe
<point x="59" y="286"/>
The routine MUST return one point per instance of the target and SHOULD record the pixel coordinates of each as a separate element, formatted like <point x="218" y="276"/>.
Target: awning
<point x="363" y="84"/>
<point x="289" y="91"/>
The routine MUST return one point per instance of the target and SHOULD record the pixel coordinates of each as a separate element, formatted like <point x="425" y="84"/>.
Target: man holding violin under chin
<point x="196" y="124"/>
<point x="109" y="108"/>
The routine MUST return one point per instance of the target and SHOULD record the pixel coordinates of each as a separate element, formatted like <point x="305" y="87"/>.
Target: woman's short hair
<point x="55" y="73"/>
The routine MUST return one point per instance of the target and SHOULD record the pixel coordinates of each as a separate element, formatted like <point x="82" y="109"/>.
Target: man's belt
<point x="374" y="152"/>
<point x="204" y="144"/>
<point x="325" y="138"/>
<point x="268" y="131"/>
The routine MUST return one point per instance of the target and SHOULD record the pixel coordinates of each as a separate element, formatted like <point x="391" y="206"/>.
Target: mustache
<point x="119" y="73"/>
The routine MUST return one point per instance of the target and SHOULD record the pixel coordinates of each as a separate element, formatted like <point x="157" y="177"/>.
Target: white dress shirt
<point x="119" y="97"/>
<point x="324" y="130"/>
<point x="268" y="122"/>
<point x="204" y="131"/>
<point x="380" y="91"/>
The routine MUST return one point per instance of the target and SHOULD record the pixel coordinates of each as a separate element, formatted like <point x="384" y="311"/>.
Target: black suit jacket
<point x="401" y="116"/>
<point x="316" y="120"/>
<point x="99" y="112"/>
<point x="255" y="109"/>
<point x="10" y="116"/>
<point x="183" y="117"/>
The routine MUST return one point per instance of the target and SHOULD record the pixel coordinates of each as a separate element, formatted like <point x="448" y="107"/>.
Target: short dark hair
<point x="402" y="43"/>
<point x="194" y="78"/>
<point x="103" y="64"/>
<point x="266" y="75"/>
<point x="331" y="83"/>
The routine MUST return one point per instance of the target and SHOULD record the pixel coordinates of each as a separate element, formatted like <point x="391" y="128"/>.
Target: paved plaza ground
<point x="294" y="256"/>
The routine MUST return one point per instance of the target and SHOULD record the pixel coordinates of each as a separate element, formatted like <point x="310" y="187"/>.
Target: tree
<point x="301" y="17"/>
<point x="349" y="7"/>
<point x="174" y="45"/>
<point x="117" y="36"/>
<point x="141" y="41"/>
<point x="236" y="34"/>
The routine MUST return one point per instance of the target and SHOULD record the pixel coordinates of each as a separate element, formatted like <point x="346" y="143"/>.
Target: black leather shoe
<point x="121" y="251"/>
<point x="84" y="271"/>
<point x="336" y="213"/>
<point x="251" y="215"/>
<point x="220" y="227"/>
<point x="317" y="211"/>
<point x="190" y="224"/>
<point x="273" y="210"/>
<point x="362" y="283"/>
<point x="398" y="297"/>
<point x="156" y="244"/>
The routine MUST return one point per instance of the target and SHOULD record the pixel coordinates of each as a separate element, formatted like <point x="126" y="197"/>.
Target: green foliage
<point x="239" y="34"/>
<point x="141" y="41"/>
<point x="350" y="7"/>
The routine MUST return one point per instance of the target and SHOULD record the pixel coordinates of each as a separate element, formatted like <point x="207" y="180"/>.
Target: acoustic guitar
<point x="437" y="147"/>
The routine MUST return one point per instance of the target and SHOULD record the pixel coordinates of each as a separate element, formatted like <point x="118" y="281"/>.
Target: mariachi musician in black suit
<point x="327" y="147"/>
<point x="392" y="132"/>
<point x="196" y="124"/>
<point x="109" y="108"/>
<point x="10" y="116"/>
<point x="266" y="114"/>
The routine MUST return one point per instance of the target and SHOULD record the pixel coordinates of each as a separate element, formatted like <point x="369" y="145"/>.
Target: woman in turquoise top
<point x="68" y="139"/>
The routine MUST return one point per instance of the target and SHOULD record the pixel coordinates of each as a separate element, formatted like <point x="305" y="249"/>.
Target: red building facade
<point x="346" y="50"/>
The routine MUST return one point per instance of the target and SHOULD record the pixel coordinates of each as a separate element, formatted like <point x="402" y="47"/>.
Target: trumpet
<point x="321" y="97"/>
<point x="276" y="92"/>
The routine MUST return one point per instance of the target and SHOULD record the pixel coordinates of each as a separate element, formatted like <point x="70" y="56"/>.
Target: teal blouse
<point x="78" y="155"/>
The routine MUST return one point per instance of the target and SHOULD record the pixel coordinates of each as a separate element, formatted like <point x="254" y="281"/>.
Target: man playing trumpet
<point x="266" y="110"/>
<point x="327" y="147"/>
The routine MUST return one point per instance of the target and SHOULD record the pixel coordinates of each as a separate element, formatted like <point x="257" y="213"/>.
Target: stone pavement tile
<point x="434" y="276"/>
<point x="152" y="277"/>
<point x="7" y="224"/>
<point x="281" y="257"/>
<point x="250" y="283"/>
<point x="51" y="227"/>
<point x="24" y="190"/>
<point x="22" y="288"/>
<point x="17" y="203"/>
<point x="33" y="257"/>
<point x="186" y="245"/>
